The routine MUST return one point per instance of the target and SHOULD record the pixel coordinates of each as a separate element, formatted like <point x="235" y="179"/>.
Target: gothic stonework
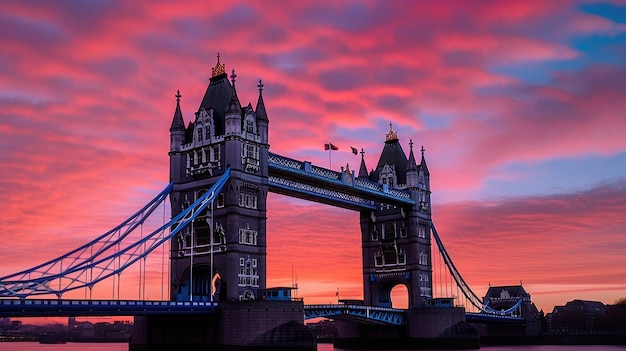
<point x="231" y="234"/>
<point x="396" y="241"/>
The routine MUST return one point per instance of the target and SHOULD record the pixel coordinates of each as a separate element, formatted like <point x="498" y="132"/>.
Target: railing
<point x="362" y="189"/>
<point x="373" y="314"/>
<point x="57" y="307"/>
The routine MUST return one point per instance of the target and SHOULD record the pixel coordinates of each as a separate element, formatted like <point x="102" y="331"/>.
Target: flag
<point x="330" y="146"/>
<point x="354" y="151"/>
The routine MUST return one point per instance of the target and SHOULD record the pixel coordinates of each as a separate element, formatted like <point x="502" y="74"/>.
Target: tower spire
<point x="260" y="105"/>
<point x="391" y="134"/>
<point x="177" y="129"/>
<point x="423" y="166"/>
<point x="219" y="68"/>
<point x="177" y="122"/>
<point x="363" y="169"/>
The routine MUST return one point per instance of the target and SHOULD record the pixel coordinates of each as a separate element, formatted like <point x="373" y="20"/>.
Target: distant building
<point x="576" y="316"/>
<point x="505" y="297"/>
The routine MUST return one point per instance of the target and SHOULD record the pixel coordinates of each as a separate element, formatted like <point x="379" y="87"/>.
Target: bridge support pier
<point x="424" y="327"/>
<point x="239" y="325"/>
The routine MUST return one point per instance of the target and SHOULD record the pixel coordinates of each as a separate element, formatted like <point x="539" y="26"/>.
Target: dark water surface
<point x="34" y="346"/>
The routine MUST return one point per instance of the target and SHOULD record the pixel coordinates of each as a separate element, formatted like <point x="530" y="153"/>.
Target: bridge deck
<point x="364" y="314"/>
<point x="74" y="308"/>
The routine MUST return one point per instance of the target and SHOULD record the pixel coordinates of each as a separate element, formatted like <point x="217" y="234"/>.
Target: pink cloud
<point x="87" y="98"/>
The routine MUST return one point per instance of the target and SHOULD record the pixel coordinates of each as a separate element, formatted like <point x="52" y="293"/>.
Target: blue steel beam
<point x="368" y="314"/>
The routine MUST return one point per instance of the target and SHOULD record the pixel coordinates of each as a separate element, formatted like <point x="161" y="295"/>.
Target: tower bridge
<point x="221" y="172"/>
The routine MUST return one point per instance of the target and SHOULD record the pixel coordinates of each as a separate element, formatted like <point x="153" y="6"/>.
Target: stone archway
<point x="393" y="292"/>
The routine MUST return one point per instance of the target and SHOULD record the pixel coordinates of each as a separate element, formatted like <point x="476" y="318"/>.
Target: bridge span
<point x="221" y="172"/>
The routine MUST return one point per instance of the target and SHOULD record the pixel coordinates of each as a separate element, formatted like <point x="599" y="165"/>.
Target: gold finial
<point x="219" y="68"/>
<point x="391" y="134"/>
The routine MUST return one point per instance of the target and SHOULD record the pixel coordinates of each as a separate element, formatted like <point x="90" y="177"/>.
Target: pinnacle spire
<point x="423" y="163"/>
<point x="178" y="124"/>
<point x="260" y="105"/>
<point x="234" y="106"/>
<point x="391" y="134"/>
<point x="411" y="164"/>
<point x="363" y="169"/>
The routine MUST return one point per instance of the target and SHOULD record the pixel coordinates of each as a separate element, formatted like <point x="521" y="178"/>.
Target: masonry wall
<point x="242" y="322"/>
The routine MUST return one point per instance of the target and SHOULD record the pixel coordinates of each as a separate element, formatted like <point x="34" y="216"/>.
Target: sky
<point x="520" y="106"/>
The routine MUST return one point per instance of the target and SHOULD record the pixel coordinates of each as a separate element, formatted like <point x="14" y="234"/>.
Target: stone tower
<point x="396" y="241"/>
<point x="222" y="256"/>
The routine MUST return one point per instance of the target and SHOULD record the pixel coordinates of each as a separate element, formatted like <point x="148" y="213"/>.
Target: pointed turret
<point x="217" y="95"/>
<point x="424" y="181"/>
<point x="177" y="129"/>
<point x="423" y="166"/>
<point x="233" y="113"/>
<point x="391" y="168"/>
<point x="412" y="171"/>
<point x="261" y="115"/>
<point x="363" y="169"/>
<point x="260" y="105"/>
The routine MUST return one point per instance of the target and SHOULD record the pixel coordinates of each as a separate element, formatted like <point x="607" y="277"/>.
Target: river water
<point x="34" y="346"/>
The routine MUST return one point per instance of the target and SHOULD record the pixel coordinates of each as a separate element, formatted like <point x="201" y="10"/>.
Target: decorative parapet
<point x="326" y="173"/>
<point x="284" y="161"/>
<point x="366" y="186"/>
<point x="399" y="193"/>
<point x="318" y="191"/>
<point x="364" y="183"/>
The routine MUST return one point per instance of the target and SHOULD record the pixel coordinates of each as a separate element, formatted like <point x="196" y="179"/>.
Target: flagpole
<point x="330" y="150"/>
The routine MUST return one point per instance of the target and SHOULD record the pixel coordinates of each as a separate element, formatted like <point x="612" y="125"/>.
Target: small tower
<point x="412" y="171"/>
<point x="177" y="137"/>
<point x="262" y="121"/>
<point x="233" y="111"/>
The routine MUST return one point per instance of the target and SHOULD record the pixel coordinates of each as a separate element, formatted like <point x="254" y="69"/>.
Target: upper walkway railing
<point x="342" y="189"/>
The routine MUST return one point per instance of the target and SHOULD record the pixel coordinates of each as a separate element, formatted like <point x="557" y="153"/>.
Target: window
<point x="247" y="199"/>
<point x="216" y="154"/>
<point x="403" y="233"/>
<point x="203" y="237"/>
<point x="425" y="289"/>
<point x="402" y="257"/>
<point x="375" y="235"/>
<point x="207" y="133"/>
<point x="220" y="200"/>
<point x="249" y="126"/>
<point x="248" y="275"/>
<point x="423" y="258"/>
<point x="378" y="259"/>
<point x="421" y="231"/>
<point x="248" y="237"/>
<point x="390" y="231"/>
<point x="199" y="134"/>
